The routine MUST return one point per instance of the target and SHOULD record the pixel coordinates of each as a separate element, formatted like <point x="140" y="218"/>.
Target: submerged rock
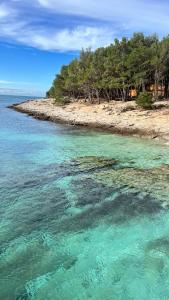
<point x="123" y="207"/>
<point x="160" y="245"/>
<point x="89" y="191"/>
<point x="93" y="190"/>
<point x="157" y="255"/>
<point x="151" y="181"/>
<point x="22" y="296"/>
<point x="52" y="172"/>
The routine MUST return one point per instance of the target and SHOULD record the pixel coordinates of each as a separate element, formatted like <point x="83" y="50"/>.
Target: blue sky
<point x="38" y="36"/>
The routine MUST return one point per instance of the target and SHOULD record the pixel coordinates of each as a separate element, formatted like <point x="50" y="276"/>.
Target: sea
<point x="84" y="214"/>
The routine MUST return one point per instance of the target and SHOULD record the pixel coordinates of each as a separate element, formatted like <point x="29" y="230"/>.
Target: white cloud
<point x="141" y="14"/>
<point x="110" y="18"/>
<point x="10" y="91"/>
<point x="56" y="40"/>
<point x="4" y="11"/>
<point x="8" y="87"/>
<point x="72" y="40"/>
<point x="21" y="92"/>
<point x="7" y="82"/>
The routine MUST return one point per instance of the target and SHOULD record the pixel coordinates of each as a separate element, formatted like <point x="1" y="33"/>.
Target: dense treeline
<point x="138" y="64"/>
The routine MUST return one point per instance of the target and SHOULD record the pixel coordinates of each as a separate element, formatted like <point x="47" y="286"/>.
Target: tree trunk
<point x="156" y="85"/>
<point x="107" y="94"/>
<point x="166" y="90"/>
<point x="143" y="87"/>
<point x="97" y="92"/>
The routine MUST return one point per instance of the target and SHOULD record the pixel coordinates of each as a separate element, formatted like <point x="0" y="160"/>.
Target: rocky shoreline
<point x="116" y="117"/>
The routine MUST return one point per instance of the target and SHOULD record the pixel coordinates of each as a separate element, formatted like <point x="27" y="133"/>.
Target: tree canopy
<point x="111" y="72"/>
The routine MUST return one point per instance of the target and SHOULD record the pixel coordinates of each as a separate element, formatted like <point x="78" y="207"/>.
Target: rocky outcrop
<point x="116" y="117"/>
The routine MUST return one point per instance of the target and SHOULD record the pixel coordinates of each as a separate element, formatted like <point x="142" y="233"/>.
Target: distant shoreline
<point x="116" y="117"/>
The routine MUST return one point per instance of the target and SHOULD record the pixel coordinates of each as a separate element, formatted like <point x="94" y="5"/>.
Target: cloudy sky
<point x="38" y="36"/>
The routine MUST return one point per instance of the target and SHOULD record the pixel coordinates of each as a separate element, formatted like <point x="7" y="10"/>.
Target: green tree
<point x="144" y="100"/>
<point x="139" y="63"/>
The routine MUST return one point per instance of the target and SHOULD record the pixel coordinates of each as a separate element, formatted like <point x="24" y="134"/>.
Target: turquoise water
<point x="83" y="214"/>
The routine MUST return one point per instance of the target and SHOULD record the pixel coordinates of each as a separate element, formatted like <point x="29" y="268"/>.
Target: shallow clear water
<point x="83" y="214"/>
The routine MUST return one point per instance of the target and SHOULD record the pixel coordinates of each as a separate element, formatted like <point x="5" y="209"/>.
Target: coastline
<point x="117" y="117"/>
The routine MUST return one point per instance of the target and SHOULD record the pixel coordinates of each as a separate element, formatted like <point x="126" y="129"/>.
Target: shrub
<point x="61" y="100"/>
<point x="145" y="100"/>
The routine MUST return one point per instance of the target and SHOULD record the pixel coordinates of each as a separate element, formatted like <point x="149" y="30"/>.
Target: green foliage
<point x="62" y="101"/>
<point x="145" y="100"/>
<point x="111" y="72"/>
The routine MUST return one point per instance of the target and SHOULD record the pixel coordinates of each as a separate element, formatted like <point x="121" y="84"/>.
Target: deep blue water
<point x="83" y="214"/>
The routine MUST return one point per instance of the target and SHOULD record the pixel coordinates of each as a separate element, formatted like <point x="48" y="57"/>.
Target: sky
<point x="38" y="36"/>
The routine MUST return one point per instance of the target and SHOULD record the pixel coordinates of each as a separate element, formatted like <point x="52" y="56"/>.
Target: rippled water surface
<point x="83" y="214"/>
